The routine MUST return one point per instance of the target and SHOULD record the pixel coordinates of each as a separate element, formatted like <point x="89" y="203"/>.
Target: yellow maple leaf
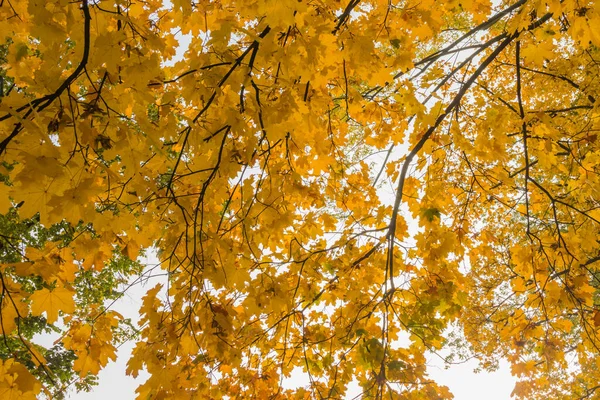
<point x="51" y="302"/>
<point x="16" y="382"/>
<point x="86" y="364"/>
<point x="537" y="53"/>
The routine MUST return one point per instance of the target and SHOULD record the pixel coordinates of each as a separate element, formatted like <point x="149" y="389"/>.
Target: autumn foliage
<point x="338" y="187"/>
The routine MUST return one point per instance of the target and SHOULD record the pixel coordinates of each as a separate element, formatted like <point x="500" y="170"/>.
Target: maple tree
<point x="257" y="165"/>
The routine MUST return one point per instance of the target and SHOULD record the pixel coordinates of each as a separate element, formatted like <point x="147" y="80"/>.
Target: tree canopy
<point x="334" y="186"/>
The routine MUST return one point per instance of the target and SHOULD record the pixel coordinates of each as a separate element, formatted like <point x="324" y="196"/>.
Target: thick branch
<point x="345" y="15"/>
<point x="415" y="150"/>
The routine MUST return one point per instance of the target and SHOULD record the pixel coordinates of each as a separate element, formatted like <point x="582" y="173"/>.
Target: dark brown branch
<point x="341" y="20"/>
<point x="484" y="25"/>
<point x="45" y="101"/>
<point x="415" y="150"/>
<point x="524" y="132"/>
